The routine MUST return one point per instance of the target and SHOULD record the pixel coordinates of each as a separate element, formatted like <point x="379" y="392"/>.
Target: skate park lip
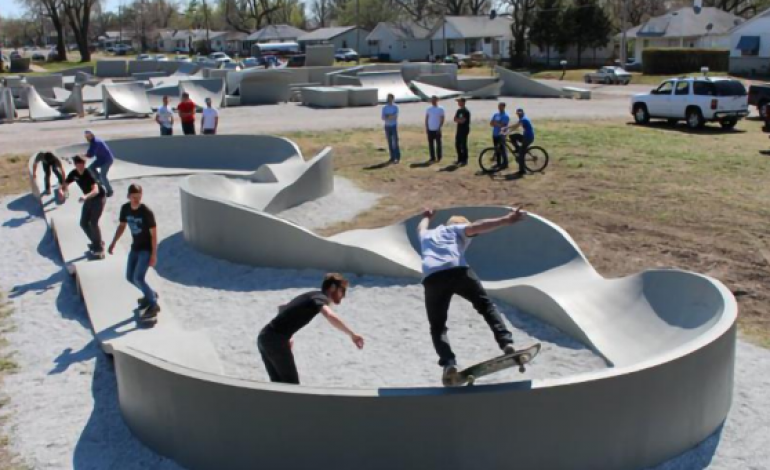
<point x="682" y="391"/>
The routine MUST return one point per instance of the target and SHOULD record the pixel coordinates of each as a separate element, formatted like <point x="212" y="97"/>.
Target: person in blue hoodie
<point x="103" y="159"/>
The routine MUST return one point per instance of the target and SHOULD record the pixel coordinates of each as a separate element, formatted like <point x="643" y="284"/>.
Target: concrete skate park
<point x="667" y="336"/>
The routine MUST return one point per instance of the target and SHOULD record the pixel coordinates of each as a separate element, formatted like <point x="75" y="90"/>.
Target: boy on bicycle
<point x="521" y="142"/>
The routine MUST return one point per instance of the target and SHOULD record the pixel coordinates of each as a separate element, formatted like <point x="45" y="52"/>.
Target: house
<point x="468" y="34"/>
<point x="401" y="41"/>
<point x="750" y="46"/>
<point x="273" y="33"/>
<point x="180" y="40"/>
<point x="342" y="38"/>
<point x="230" y="42"/>
<point x="708" y="29"/>
<point x="113" y="38"/>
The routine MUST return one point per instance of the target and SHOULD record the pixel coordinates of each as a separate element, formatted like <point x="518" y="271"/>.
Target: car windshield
<point x="729" y="88"/>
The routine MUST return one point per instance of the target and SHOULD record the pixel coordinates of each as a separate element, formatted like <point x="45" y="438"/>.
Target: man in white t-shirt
<point x="209" y="119"/>
<point x="446" y="273"/>
<point x="434" y="121"/>
<point x="165" y="118"/>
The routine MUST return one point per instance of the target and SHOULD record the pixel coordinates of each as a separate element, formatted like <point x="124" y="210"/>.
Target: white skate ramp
<point x="427" y="91"/>
<point x="388" y="83"/>
<point x="199" y="90"/>
<point x="516" y="84"/>
<point x="125" y="98"/>
<point x="38" y="108"/>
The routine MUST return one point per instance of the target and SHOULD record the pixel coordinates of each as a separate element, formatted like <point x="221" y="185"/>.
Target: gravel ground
<point x="63" y="410"/>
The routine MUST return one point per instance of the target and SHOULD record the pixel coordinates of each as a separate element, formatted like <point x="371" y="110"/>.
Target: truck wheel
<point x="641" y="115"/>
<point x="728" y="124"/>
<point x="695" y="118"/>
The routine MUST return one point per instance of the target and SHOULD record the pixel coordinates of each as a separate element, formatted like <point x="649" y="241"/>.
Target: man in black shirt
<point x="275" y="340"/>
<point x="144" y="249"/>
<point x="50" y="163"/>
<point x="93" y="200"/>
<point x="463" y="120"/>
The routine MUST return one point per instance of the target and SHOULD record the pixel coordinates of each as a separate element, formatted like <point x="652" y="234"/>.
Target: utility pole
<point x="358" y="35"/>
<point x="623" y="40"/>
<point x="120" y="22"/>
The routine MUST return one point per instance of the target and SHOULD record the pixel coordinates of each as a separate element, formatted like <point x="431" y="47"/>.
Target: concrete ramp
<point x="388" y="83"/>
<point x="491" y="91"/>
<point x="265" y="87"/>
<point x="319" y="56"/>
<point x="427" y="91"/>
<point x="516" y="84"/>
<point x="7" y="107"/>
<point x="74" y="102"/>
<point x="38" y="108"/>
<point x="186" y="69"/>
<point x="125" y="99"/>
<point x="199" y="90"/>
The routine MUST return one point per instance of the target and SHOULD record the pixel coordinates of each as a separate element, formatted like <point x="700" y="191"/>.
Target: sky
<point x="12" y="8"/>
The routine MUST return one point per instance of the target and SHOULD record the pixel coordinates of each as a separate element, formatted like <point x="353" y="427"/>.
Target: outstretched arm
<point x="427" y="214"/>
<point x="337" y="322"/>
<point x="483" y="226"/>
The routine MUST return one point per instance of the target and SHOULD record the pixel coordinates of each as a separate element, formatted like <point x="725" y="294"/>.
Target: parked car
<point x="182" y="58"/>
<point x="161" y="58"/>
<point x="144" y="57"/>
<point x="297" y="60"/>
<point x="461" y="60"/>
<point x="609" y="75"/>
<point x="632" y="65"/>
<point x="123" y="49"/>
<point x="266" y="61"/>
<point x="696" y="100"/>
<point x="53" y="54"/>
<point x="759" y="96"/>
<point x="220" y="57"/>
<point x="346" y="55"/>
<point x="109" y="49"/>
<point x="15" y="55"/>
<point x="38" y="56"/>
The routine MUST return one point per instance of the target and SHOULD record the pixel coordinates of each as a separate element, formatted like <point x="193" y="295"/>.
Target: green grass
<point x="577" y="75"/>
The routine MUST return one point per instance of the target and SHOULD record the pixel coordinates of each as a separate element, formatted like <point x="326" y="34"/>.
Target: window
<point x="748" y="45"/>
<point x="487" y="40"/>
<point x="682" y="88"/>
<point x="665" y="88"/>
<point x="729" y="88"/>
<point x="703" y="89"/>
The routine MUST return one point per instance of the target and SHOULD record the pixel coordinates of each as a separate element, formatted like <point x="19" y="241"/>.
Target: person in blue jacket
<point x="103" y="159"/>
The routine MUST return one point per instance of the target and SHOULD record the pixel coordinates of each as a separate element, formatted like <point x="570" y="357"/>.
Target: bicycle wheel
<point x="536" y="159"/>
<point x="488" y="160"/>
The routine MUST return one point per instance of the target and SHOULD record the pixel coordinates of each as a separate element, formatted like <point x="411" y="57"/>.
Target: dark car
<point x="759" y="96"/>
<point x="296" y="60"/>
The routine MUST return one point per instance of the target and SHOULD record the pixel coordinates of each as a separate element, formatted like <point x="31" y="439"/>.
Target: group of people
<point x="209" y="122"/>
<point x="446" y="273"/>
<point x="435" y="118"/>
<point x="94" y="183"/>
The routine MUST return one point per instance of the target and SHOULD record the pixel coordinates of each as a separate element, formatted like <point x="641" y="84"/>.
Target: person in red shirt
<point x="186" y="110"/>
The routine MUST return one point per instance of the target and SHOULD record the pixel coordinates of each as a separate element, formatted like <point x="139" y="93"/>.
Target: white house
<point x="750" y="46"/>
<point x="230" y="42"/>
<point x="468" y="34"/>
<point x="342" y="38"/>
<point x="401" y="41"/>
<point x="179" y="40"/>
<point x="708" y="29"/>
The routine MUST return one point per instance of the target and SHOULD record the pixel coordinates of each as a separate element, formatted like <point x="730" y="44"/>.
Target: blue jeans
<point x="166" y="130"/>
<point x="136" y="270"/>
<point x="391" y="135"/>
<point x="101" y="171"/>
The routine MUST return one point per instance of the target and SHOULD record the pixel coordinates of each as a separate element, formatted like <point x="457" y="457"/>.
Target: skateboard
<point x="145" y="321"/>
<point x="520" y="358"/>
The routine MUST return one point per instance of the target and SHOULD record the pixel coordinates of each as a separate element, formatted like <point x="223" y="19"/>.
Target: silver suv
<point x="696" y="100"/>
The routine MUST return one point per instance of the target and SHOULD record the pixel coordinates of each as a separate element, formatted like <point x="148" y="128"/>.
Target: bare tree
<point x="522" y="16"/>
<point x="322" y="12"/>
<point x="419" y="11"/>
<point x="78" y="13"/>
<point x="247" y="15"/>
<point x="745" y="8"/>
<point x="53" y="9"/>
<point x="478" y="7"/>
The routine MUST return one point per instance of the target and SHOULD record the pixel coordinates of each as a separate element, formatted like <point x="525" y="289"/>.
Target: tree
<point x="547" y="26"/>
<point x="249" y="15"/>
<point x="585" y="24"/>
<point x="291" y="12"/>
<point x="745" y="8"/>
<point x="370" y="13"/>
<point x="522" y="16"/>
<point x="78" y="14"/>
<point x="322" y="12"/>
<point x="53" y="9"/>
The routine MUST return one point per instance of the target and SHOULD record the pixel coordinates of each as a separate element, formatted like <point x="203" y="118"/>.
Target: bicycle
<point x="535" y="160"/>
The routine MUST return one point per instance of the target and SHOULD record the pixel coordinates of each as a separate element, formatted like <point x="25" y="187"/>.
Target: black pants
<point x="461" y="144"/>
<point x="166" y="130"/>
<point x="188" y="128"/>
<point x="521" y="145"/>
<point x="434" y="144"/>
<point x="502" y="154"/>
<point x="439" y="289"/>
<point x="89" y="220"/>
<point x="47" y="169"/>
<point x="277" y="356"/>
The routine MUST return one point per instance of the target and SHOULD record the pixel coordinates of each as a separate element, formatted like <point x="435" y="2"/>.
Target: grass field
<point x="578" y="74"/>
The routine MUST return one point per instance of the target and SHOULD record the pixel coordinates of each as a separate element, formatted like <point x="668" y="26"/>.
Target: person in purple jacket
<point x="103" y="159"/>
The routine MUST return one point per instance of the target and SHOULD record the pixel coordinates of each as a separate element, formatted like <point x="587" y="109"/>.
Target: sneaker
<point x="151" y="312"/>
<point x="451" y="376"/>
<point x="509" y="349"/>
<point x="144" y="303"/>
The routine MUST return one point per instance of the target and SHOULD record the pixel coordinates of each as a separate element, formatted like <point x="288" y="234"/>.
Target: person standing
<point x="165" y="118"/>
<point x="463" y="120"/>
<point x="434" y="121"/>
<point x="144" y="250"/>
<point x="275" y="340"/>
<point x="446" y="273"/>
<point x="103" y="160"/>
<point x="186" y="110"/>
<point x="93" y="199"/>
<point x="522" y="141"/>
<point x="209" y="119"/>
<point x="50" y="163"/>
<point x="498" y="123"/>
<point x="390" y="118"/>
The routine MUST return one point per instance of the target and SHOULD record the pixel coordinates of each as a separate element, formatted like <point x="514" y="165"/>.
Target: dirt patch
<point x="13" y="174"/>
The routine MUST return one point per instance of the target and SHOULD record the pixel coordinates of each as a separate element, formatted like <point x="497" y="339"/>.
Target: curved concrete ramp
<point x="491" y="91"/>
<point x="125" y="98"/>
<point x="669" y="337"/>
<point x="187" y="69"/>
<point x="199" y="90"/>
<point x="427" y="91"/>
<point x="388" y="83"/>
<point x="265" y="86"/>
<point x="38" y="108"/>
<point x="516" y="84"/>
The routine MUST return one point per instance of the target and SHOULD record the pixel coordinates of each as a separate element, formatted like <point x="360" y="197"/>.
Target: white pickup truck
<point x="695" y="100"/>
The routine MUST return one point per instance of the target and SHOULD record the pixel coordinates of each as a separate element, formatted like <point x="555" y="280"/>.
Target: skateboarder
<point x="144" y="250"/>
<point x="275" y="340"/>
<point x="521" y="141"/>
<point x="93" y="200"/>
<point x="446" y="273"/>
<point x="50" y="163"/>
<point x="103" y="160"/>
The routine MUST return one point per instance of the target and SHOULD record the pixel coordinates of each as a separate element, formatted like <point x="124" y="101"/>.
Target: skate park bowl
<point x="668" y="336"/>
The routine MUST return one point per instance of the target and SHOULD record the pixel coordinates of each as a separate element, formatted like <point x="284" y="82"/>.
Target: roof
<point x="477" y="27"/>
<point x="758" y="17"/>
<point x="184" y="34"/>
<point x="685" y="22"/>
<point x="404" y="30"/>
<point x="276" y="32"/>
<point x="326" y="34"/>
